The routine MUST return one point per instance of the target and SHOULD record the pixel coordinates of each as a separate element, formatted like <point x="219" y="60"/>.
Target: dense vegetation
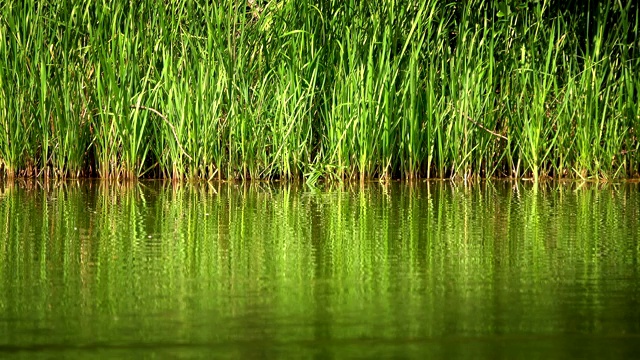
<point x="326" y="88"/>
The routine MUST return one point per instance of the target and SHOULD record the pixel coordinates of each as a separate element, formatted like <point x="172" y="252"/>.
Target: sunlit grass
<point x="302" y="89"/>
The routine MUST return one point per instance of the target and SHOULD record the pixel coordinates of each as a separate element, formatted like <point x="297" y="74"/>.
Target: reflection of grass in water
<point x="291" y="89"/>
<point x="419" y="257"/>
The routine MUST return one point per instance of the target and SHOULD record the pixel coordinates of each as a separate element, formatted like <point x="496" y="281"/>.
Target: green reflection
<point x="374" y="270"/>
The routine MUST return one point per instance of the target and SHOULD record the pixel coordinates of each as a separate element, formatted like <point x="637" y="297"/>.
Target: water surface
<point x="149" y="270"/>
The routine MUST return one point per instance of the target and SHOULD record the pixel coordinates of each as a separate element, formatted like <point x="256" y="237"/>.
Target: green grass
<point x="326" y="89"/>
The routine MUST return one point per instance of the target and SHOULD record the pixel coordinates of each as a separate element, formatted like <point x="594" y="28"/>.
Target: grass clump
<point x="319" y="89"/>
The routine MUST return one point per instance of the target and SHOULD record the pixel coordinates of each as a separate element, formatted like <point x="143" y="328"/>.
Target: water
<point x="153" y="270"/>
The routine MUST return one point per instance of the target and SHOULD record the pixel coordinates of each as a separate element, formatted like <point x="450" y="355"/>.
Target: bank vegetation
<point x="325" y="89"/>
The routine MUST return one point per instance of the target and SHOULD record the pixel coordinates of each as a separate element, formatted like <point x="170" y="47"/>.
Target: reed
<point x="307" y="89"/>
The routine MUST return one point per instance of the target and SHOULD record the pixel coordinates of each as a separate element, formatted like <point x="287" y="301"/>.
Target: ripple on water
<point x="395" y="270"/>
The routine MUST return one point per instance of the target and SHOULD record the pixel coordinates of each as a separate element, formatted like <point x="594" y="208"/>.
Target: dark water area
<point x="426" y="270"/>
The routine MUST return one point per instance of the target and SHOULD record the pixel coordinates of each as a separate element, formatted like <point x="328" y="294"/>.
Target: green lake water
<point x="429" y="270"/>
